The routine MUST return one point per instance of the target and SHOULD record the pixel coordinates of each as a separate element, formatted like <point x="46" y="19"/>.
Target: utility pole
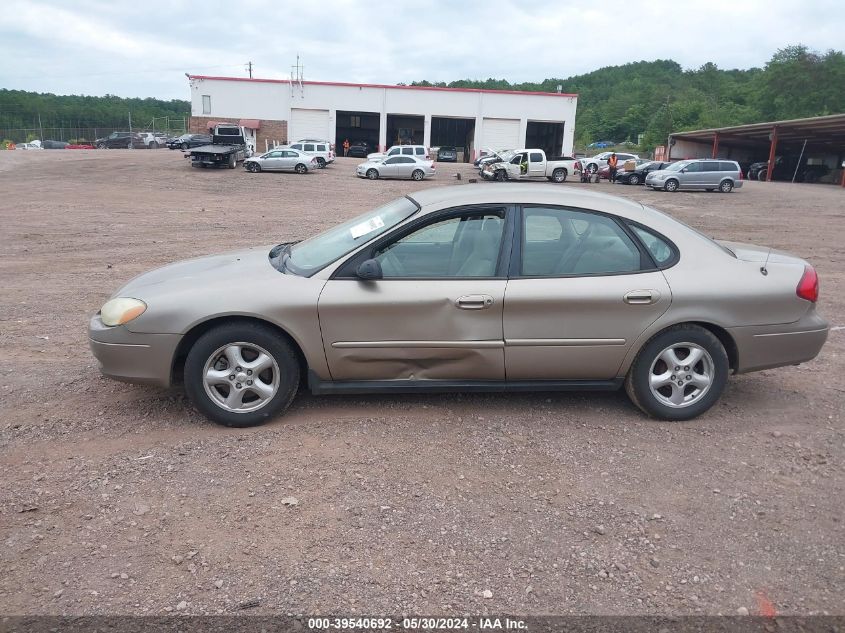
<point x="130" y="126"/>
<point x="249" y="67"/>
<point x="40" y="128"/>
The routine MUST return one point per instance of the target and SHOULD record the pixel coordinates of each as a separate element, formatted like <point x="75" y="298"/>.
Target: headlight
<point x="121" y="310"/>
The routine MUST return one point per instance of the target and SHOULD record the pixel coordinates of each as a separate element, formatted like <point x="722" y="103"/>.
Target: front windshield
<point x="677" y="166"/>
<point x="311" y="255"/>
<point x="506" y="156"/>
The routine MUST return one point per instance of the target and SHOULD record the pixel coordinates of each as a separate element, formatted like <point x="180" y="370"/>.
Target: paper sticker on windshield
<point x="366" y="227"/>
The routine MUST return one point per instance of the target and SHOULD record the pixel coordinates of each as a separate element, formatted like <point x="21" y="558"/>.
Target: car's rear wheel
<point x="241" y="374"/>
<point x="679" y="374"/>
<point x="633" y="179"/>
<point x="671" y="185"/>
<point x="372" y="174"/>
<point x="321" y="162"/>
<point x="725" y="186"/>
<point x="559" y="175"/>
<point x="417" y="174"/>
<point x="253" y="167"/>
<point x="761" y="175"/>
<point x="300" y="168"/>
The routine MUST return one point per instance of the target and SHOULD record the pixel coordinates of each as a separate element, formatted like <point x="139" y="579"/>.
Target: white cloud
<point x="97" y="47"/>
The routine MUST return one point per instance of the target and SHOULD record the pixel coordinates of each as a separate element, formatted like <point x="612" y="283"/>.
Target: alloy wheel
<point x="681" y="374"/>
<point x="241" y="377"/>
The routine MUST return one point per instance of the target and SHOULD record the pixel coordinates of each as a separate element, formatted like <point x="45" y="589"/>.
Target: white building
<point x="469" y="119"/>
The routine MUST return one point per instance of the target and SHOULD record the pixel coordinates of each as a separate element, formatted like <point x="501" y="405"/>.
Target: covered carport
<point x="819" y="139"/>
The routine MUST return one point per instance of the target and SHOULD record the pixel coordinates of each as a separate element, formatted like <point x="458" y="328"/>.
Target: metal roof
<point x="821" y="131"/>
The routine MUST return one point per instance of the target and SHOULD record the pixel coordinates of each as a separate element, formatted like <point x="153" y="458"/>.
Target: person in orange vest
<point x="346" y="147"/>
<point x="612" y="162"/>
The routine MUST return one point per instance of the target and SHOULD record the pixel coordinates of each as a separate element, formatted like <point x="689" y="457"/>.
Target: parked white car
<point x="321" y="150"/>
<point x="415" y="168"/>
<point x="420" y="151"/>
<point x="151" y="140"/>
<point x="31" y="145"/>
<point x="594" y="163"/>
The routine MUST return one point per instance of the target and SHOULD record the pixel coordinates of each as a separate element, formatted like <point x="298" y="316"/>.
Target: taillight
<point x="808" y="287"/>
<point x="741" y="175"/>
<point x="433" y="166"/>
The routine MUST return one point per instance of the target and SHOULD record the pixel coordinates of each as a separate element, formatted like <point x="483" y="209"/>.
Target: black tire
<point x="184" y="147"/>
<point x="725" y="186"/>
<point x="671" y="185"/>
<point x="559" y="175"/>
<point x="253" y="167"/>
<point x="249" y="333"/>
<point x="300" y="168"/>
<point x="637" y="382"/>
<point x="501" y="176"/>
<point x="372" y="174"/>
<point x="761" y="175"/>
<point x="101" y="146"/>
<point x="592" y="168"/>
<point x="321" y="162"/>
<point x="633" y="179"/>
<point x="417" y="174"/>
<point x="233" y="161"/>
<point x="129" y="145"/>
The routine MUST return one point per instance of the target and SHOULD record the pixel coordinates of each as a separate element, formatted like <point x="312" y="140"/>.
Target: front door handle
<point x="474" y="302"/>
<point x="642" y="297"/>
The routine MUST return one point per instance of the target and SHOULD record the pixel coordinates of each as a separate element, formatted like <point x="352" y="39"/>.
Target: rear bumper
<point x="767" y="346"/>
<point x="133" y="357"/>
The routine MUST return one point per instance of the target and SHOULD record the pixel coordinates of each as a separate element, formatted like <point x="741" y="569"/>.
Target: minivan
<point x="419" y="151"/>
<point x="704" y="173"/>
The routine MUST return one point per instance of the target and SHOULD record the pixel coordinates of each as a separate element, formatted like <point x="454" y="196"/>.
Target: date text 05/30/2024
<point x="422" y="623"/>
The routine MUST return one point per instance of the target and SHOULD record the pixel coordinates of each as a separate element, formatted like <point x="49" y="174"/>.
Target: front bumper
<point x="133" y="357"/>
<point x="766" y="346"/>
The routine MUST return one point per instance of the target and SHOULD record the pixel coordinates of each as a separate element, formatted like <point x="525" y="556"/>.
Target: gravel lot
<point x="122" y="499"/>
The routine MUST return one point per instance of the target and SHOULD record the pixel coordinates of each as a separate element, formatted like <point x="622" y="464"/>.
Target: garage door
<point x="308" y="124"/>
<point x="501" y="134"/>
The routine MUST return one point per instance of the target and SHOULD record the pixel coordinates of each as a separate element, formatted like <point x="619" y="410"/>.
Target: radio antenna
<point x="763" y="269"/>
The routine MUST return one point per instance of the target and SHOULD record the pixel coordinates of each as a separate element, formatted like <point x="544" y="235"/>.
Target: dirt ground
<point x="122" y="499"/>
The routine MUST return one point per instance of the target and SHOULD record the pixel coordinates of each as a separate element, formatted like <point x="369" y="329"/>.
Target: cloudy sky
<point x="144" y="48"/>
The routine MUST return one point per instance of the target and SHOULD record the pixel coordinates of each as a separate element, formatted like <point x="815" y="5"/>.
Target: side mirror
<point x="369" y="270"/>
<point x="684" y="170"/>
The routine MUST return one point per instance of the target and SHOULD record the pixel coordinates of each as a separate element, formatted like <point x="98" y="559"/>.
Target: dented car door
<point x="437" y="311"/>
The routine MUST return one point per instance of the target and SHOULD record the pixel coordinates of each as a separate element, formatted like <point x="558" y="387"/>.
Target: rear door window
<point x="309" y="148"/>
<point x="408" y="150"/>
<point x="419" y="151"/>
<point x="710" y="165"/>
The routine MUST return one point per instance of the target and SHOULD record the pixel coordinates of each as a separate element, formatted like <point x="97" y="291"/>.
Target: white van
<point x="321" y="150"/>
<point x="419" y="151"/>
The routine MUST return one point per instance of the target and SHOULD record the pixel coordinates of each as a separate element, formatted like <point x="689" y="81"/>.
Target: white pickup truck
<point x="531" y="164"/>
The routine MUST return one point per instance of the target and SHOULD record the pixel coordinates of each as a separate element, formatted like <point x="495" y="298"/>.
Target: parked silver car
<point x="281" y="160"/>
<point x="396" y="167"/>
<point x="707" y="174"/>
<point x="468" y="288"/>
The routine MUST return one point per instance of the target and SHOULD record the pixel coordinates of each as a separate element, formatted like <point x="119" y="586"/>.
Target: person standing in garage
<point x="346" y="147"/>
<point x="612" y="162"/>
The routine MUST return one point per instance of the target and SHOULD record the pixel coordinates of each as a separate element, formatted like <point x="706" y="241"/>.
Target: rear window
<point x="659" y="248"/>
<point x="728" y="166"/>
<point x="419" y="151"/>
<point x="536" y="157"/>
<point x="321" y="148"/>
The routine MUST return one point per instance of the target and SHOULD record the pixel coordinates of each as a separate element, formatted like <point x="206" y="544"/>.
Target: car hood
<point x="190" y="273"/>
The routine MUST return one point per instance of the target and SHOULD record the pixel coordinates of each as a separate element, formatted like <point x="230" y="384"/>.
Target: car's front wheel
<point x="241" y="374"/>
<point x="372" y="174"/>
<point x="184" y="147"/>
<point x="671" y="185"/>
<point x="679" y="374"/>
<point x="633" y="179"/>
<point x="253" y="167"/>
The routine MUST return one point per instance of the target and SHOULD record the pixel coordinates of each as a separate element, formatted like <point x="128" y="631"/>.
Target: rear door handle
<point x="474" y="302"/>
<point x="642" y="297"/>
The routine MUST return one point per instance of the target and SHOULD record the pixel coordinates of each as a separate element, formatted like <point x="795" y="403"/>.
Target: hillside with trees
<point x="659" y="97"/>
<point x="24" y="114"/>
